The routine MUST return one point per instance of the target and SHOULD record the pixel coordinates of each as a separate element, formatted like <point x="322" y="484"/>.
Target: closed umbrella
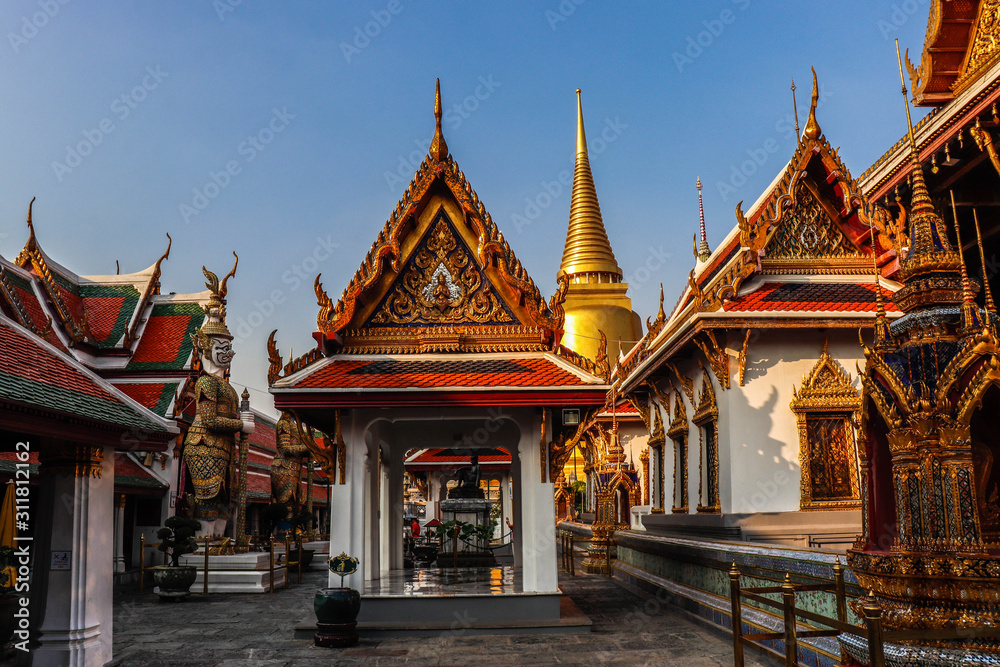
<point x="8" y="575"/>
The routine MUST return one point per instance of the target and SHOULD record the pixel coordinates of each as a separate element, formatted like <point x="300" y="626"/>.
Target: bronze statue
<point x="468" y="481"/>
<point x="286" y="467"/>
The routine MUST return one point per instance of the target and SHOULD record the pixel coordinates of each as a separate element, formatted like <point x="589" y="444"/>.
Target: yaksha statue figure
<point x="211" y="445"/>
<point x="286" y="467"/>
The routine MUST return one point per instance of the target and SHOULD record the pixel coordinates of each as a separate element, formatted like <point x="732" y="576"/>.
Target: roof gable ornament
<point x="481" y="254"/>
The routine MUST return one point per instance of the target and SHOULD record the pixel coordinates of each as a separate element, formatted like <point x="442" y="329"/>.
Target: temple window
<point x="826" y="407"/>
<point x="678" y="433"/>
<point x="706" y="418"/>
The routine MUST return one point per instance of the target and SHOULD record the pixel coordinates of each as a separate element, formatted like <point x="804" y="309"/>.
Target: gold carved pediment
<point x="441" y="284"/>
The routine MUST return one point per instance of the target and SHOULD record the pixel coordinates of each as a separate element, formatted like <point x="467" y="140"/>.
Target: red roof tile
<point x="130" y="474"/>
<point x="423" y="373"/>
<point x="32" y="374"/>
<point x="811" y="297"/>
<point x="166" y="339"/>
<point x="450" y="456"/>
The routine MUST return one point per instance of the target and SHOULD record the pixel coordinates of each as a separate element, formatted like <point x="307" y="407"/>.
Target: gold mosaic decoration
<point x="442" y="285"/>
<point x="826" y="406"/>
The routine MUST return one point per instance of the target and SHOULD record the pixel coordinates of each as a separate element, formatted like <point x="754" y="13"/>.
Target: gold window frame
<point x="827" y="392"/>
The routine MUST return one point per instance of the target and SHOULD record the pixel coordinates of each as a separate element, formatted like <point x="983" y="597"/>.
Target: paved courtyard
<point x="256" y="630"/>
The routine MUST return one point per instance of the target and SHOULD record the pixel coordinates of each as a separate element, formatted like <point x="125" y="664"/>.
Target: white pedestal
<point x="237" y="573"/>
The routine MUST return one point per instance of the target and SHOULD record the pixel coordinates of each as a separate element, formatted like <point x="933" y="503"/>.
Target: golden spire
<point x="703" y="250"/>
<point x="812" y="130"/>
<point x="439" y="149"/>
<point x="970" y="312"/>
<point x="795" y="108"/>
<point x="660" y="315"/>
<point x="587" y="247"/>
<point x="883" y="336"/>
<point x="930" y="254"/>
<point x="990" y="307"/>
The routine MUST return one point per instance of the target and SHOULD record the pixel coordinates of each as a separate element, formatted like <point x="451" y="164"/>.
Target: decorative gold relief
<point x="809" y="232"/>
<point x="72" y="460"/>
<point x="717" y="357"/>
<point x="442" y="285"/>
<point x="826" y="407"/>
<point x="678" y="433"/>
<point x="985" y="46"/>
<point x="274" y="360"/>
<point x="743" y="356"/>
<point x="706" y="418"/>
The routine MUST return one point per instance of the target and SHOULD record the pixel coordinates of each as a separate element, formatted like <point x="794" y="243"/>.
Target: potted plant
<point x="176" y="539"/>
<point x="337" y="608"/>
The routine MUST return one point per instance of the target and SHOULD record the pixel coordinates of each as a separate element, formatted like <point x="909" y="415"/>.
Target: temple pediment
<point x="440" y="277"/>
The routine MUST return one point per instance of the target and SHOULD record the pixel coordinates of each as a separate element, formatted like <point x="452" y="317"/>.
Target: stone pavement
<point x="256" y="630"/>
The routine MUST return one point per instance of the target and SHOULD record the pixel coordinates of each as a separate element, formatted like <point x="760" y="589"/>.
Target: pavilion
<point x="442" y="341"/>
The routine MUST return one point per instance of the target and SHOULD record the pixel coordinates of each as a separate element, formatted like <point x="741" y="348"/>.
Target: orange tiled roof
<point x="166" y="340"/>
<point x="128" y="474"/>
<point x="423" y="373"/>
<point x="157" y="396"/>
<point x="811" y="297"/>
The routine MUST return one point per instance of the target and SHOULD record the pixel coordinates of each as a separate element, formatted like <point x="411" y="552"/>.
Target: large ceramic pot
<point x="174" y="583"/>
<point x="337" y="605"/>
<point x="336" y="617"/>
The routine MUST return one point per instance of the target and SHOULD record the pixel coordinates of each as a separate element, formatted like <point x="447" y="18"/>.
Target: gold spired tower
<point x="596" y="298"/>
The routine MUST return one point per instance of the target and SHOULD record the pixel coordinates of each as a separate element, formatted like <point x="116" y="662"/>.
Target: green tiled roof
<point x="31" y="392"/>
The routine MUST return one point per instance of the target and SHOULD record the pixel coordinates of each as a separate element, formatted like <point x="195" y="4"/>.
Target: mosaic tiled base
<point x="901" y="655"/>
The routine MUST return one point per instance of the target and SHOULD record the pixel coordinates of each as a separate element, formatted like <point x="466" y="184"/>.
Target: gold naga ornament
<point x="929" y="414"/>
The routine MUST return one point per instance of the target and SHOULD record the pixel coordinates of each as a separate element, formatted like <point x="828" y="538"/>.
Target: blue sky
<point x="286" y="131"/>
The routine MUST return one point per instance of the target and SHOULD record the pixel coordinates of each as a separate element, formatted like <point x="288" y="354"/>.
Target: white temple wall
<point x="758" y="432"/>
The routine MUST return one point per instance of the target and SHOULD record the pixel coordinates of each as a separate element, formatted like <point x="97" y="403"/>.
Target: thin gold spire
<point x="660" y="315"/>
<point x="882" y="334"/>
<point x="795" y="108"/>
<point x="970" y="312"/>
<point x="587" y="250"/>
<point x="812" y="130"/>
<point x="704" y="252"/>
<point x="439" y="149"/>
<point x="931" y="254"/>
<point x="990" y="306"/>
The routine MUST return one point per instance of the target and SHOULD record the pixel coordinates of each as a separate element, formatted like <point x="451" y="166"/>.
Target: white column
<point x="76" y="629"/>
<point x="393" y="511"/>
<point x="119" y="557"/>
<point x="347" y="532"/>
<point x="538" y="514"/>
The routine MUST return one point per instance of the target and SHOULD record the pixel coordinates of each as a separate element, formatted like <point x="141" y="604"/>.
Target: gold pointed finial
<point x="439" y="149"/>
<point x="882" y="332"/>
<point x="31" y="228"/>
<point x="812" y="130"/>
<point x="795" y="109"/>
<point x="931" y="254"/>
<point x="588" y="250"/>
<point x="660" y="315"/>
<point x="704" y="252"/>
<point x="970" y="312"/>
<point x="990" y="307"/>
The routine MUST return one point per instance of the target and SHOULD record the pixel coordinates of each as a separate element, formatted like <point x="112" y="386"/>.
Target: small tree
<point x="177" y="537"/>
